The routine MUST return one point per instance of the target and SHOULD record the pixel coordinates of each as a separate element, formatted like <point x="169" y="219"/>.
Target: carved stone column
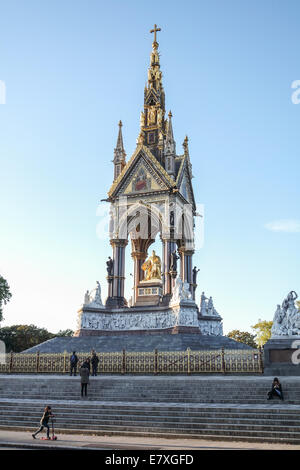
<point x="186" y="267"/>
<point x="138" y="259"/>
<point x="116" y="298"/>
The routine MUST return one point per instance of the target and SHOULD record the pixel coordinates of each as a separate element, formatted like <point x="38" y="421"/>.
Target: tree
<point x="17" y="338"/>
<point x="263" y="331"/>
<point x="243" y="337"/>
<point x="5" y="295"/>
<point x="65" y="333"/>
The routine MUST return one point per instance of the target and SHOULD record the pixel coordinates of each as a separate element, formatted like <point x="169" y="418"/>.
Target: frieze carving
<point x="180" y="316"/>
<point x="211" y="327"/>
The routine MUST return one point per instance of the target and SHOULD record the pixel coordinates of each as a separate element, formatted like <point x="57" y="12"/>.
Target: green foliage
<point x="17" y="338"/>
<point x="263" y="331"/>
<point x="243" y="337"/>
<point x="5" y="295"/>
<point x="65" y="333"/>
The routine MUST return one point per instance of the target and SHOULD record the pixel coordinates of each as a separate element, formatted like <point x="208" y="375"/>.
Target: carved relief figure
<point x="151" y="115"/>
<point x="159" y="117"/>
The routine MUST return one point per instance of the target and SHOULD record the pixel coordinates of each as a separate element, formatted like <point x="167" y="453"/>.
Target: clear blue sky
<point x="72" y="69"/>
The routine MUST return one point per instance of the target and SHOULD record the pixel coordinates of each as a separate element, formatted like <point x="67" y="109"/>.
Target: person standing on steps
<point x="73" y="363"/>
<point x="276" y="390"/>
<point x="44" y="422"/>
<point x="84" y="374"/>
<point x="95" y="362"/>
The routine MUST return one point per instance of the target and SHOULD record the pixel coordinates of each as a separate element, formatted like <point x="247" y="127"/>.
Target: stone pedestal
<point x="280" y="356"/>
<point x="149" y="293"/>
<point x="210" y="325"/>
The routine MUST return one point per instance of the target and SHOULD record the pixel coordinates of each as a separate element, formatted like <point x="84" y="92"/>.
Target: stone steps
<point x="161" y="422"/>
<point x="228" y="409"/>
<point x="142" y="397"/>
<point x="275" y="425"/>
<point x="137" y="342"/>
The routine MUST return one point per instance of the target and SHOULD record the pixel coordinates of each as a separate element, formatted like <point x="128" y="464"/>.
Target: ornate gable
<point x="142" y="174"/>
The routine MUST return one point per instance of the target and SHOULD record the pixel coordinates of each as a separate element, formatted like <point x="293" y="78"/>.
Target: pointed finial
<point x="155" y="30"/>
<point x="119" y="150"/>
<point x="141" y="138"/>
<point x="170" y="114"/>
<point x="185" y="144"/>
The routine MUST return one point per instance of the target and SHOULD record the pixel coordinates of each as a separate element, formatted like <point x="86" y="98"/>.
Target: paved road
<point x="14" y="439"/>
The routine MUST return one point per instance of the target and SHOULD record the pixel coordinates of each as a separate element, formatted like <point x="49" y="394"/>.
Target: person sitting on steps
<point x="276" y="390"/>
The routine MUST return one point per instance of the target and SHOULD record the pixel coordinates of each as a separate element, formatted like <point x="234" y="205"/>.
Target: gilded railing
<point x="155" y="362"/>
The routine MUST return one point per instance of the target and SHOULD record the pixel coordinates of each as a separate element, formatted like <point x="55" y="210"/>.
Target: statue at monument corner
<point x="181" y="291"/>
<point x="207" y="306"/>
<point x="286" y="320"/>
<point x="93" y="298"/>
<point x="110" y="266"/>
<point x="195" y="272"/>
<point x="87" y="298"/>
<point x="173" y="263"/>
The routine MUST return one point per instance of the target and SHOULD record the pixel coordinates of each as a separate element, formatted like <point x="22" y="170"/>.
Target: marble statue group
<point x="286" y="320"/>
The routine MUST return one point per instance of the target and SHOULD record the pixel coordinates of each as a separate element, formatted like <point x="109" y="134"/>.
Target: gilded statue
<point x="152" y="267"/>
<point x="152" y="115"/>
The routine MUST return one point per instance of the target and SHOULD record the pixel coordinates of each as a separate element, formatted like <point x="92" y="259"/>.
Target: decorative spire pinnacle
<point x="155" y="30"/>
<point x="170" y="136"/>
<point x="185" y="145"/>
<point x="187" y="154"/>
<point x="119" y="150"/>
<point x="119" y="153"/>
<point x="170" y="146"/>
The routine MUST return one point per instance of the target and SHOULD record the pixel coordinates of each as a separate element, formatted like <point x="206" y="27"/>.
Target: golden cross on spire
<point x="155" y="31"/>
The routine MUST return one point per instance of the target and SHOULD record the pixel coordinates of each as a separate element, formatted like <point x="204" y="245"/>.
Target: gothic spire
<point x="170" y="147"/>
<point x="119" y="154"/>
<point x="152" y="117"/>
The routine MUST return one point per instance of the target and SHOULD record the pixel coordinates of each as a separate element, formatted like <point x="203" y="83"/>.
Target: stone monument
<point x="281" y="356"/>
<point x="151" y="196"/>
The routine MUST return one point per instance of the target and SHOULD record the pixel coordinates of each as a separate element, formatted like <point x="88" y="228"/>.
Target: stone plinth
<point x="98" y="321"/>
<point x="280" y="356"/>
<point x="149" y="293"/>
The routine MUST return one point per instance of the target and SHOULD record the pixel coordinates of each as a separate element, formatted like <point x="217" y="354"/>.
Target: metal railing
<point x="155" y="362"/>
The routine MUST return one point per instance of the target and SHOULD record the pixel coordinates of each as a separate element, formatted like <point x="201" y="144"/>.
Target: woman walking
<point x="44" y="422"/>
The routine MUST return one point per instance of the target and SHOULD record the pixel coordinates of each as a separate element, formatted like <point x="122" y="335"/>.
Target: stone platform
<point x="137" y="342"/>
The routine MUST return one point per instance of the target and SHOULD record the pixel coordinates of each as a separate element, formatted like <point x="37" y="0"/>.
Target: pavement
<point x="23" y="440"/>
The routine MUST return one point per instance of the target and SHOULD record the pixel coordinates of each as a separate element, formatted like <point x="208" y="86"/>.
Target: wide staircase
<point x="210" y="407"/>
